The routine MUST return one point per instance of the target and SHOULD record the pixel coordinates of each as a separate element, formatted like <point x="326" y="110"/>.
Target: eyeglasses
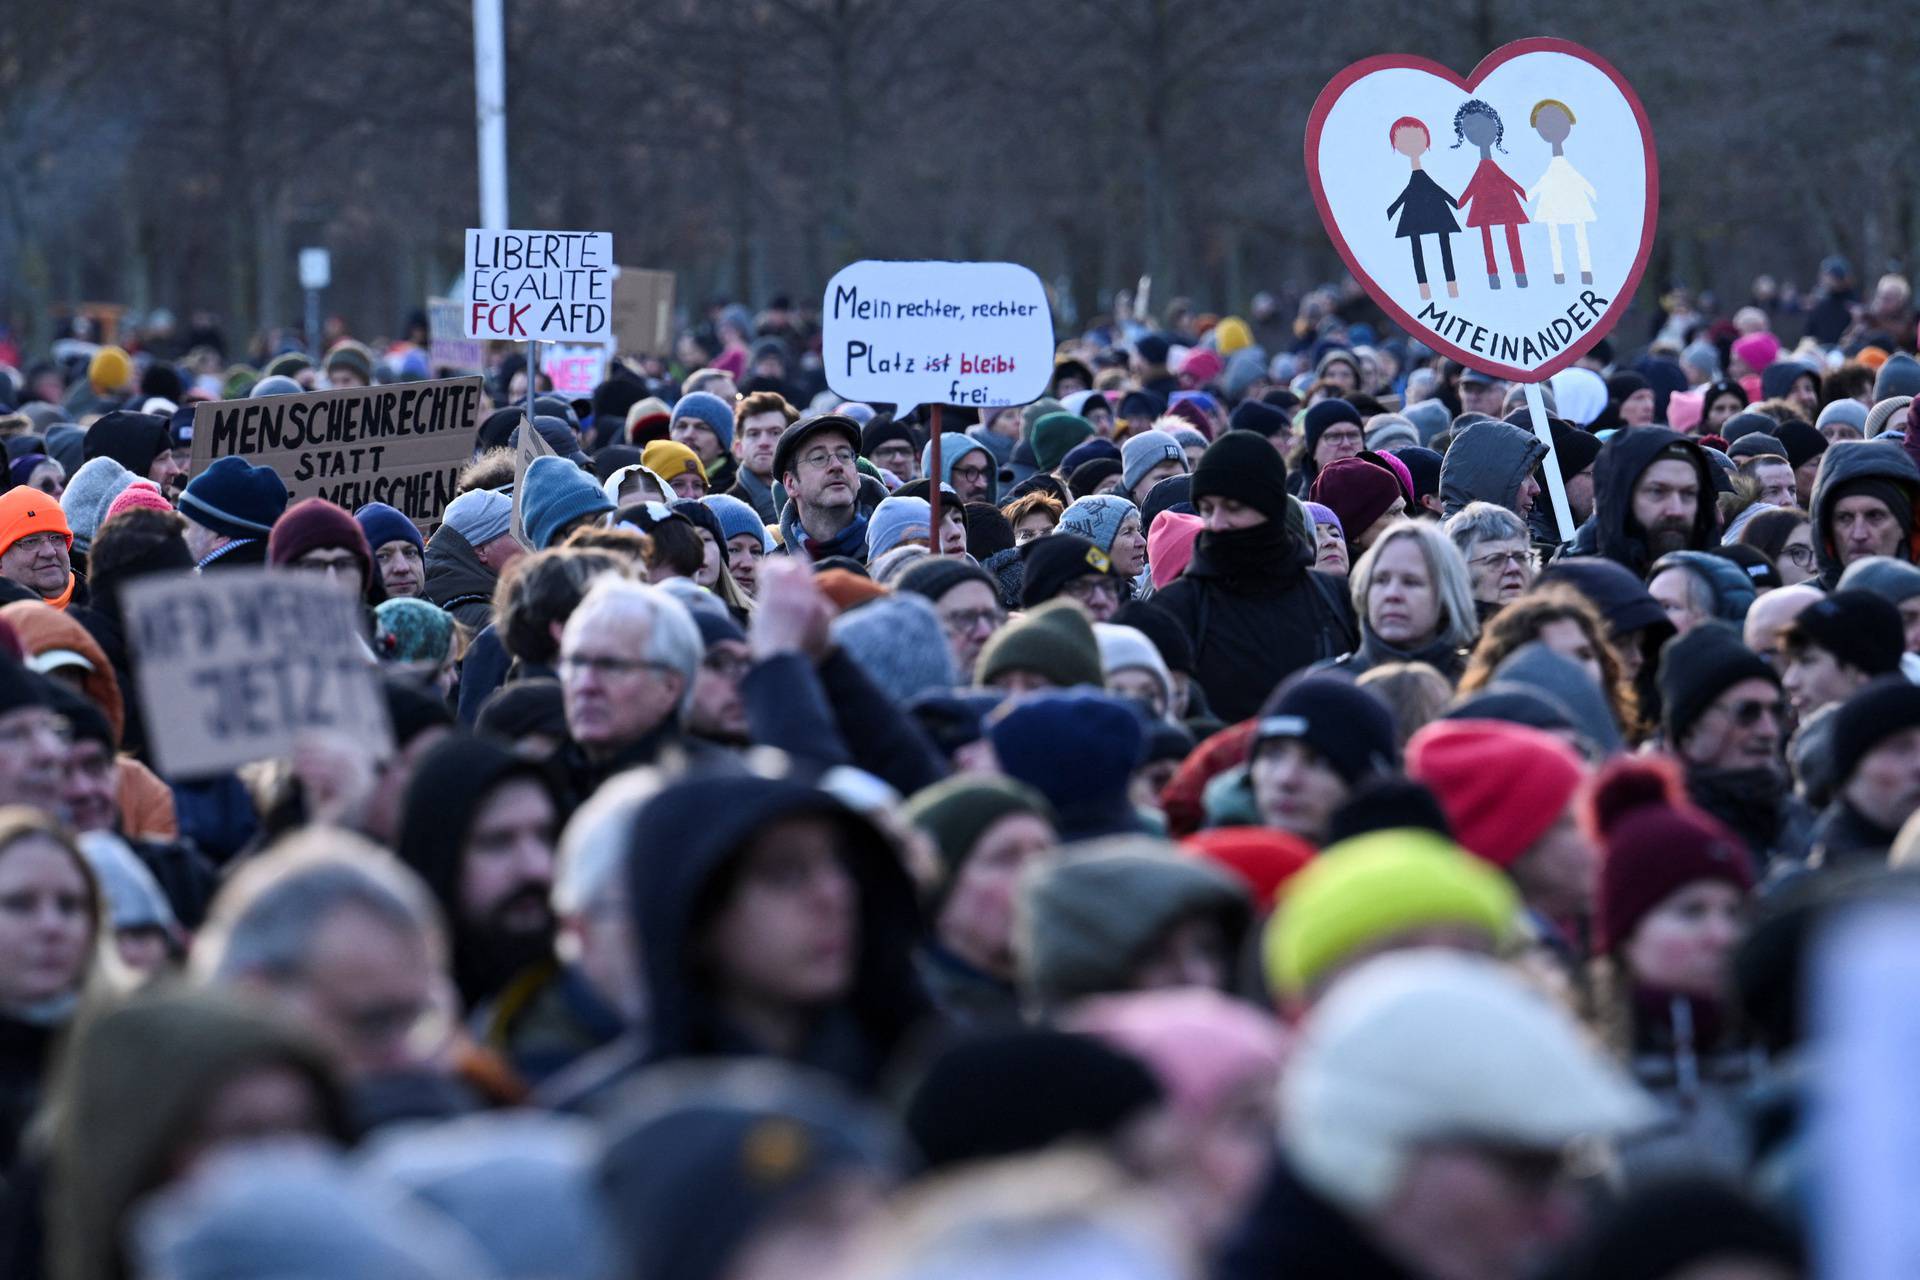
<point x="821" y="459"/>
<point x="728" y="666"/>
<point x="1747" y="714"/>
<point x="1085" y="589"/>
<point x="328" y="560"/>
<point x="1501" y="559"/>
<point x="41" y="541"/>
<point x="1340" y="437"/>
<point x="1799" y="553"/>
<point x="966" y="621"/>
<point x="970" y="474"/>
<point x="607" y="668"/>
<point x="25" y="731"/>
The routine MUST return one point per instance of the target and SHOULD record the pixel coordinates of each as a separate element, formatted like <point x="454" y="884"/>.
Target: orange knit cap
<point x="25" y="511"/>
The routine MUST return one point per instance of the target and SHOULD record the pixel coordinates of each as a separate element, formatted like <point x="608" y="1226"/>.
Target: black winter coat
<point x="1293" y="1234"/>
<point x="457" y="581"/>
<point x="1612" y="531"/>
<point x="1256" y="611"/>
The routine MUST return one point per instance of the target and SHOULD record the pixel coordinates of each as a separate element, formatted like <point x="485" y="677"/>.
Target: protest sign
<point x="1544" y="150"/>
<point x="232" y="668"/>
<point x="402" y="444"/>
<point x="528" y="445"/>
<point x="540" y="286"/>
<point x="449" y="350"/>
<point x="959" y="333"/>
<point x="643" y="311"/>
<point x="575" y="367"/>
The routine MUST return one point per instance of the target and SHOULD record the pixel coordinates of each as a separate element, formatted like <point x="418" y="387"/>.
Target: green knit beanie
<point x="1055" y="434"/>
<point x="1055" y="641"/>
<point x="959" y="811"/>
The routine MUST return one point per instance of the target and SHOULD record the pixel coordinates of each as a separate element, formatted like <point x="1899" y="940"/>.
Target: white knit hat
<point x="1123" y="647"/>
<point x="1428" y="1044"/>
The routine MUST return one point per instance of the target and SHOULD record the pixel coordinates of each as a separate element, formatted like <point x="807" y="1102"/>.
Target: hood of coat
<point x="1488" y="462"/>
<point x="687" y="842"/>
<point x="454" y="569"/>
<point x="1616" y="471"/>
<point x="1852" y="460"/>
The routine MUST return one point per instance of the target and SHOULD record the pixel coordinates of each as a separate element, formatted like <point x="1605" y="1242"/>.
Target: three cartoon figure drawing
<point x="1561" y="197"/>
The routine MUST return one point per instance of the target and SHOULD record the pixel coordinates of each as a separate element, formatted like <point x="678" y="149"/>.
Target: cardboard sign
<point x="1504" y="218"/>
<point x="528" y="445"/>
<point x="449" y="350"/>
<point x="402" y="444"/>
<point x="576" y="368"/>
<point x="540" y="286"/>
<point x="914" y="333"/>
<point x="643" y="311"/>
<point x="233" y="666"/>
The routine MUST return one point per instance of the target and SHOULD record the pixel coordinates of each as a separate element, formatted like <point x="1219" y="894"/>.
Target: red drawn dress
<point x="1495" y="201"/>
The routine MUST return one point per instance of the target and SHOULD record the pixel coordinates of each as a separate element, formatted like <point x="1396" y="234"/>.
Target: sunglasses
<point x="1747" y="714"/>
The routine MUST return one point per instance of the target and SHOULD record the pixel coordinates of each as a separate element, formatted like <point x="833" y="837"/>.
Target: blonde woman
<point x="1414" y="598"/>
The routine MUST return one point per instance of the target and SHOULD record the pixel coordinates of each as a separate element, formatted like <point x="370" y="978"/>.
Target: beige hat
<point x="1427" y="1044"/>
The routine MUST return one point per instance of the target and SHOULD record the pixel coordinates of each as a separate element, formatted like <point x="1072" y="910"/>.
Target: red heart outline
<point x="1323" y="105"/>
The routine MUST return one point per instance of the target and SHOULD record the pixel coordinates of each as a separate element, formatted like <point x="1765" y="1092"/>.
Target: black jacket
<point x="686" y="840"/>
<point x="1843" y="837"/>
<point x="1255" y="612"/>
<point x="1612" y="531"/>
<point x="1293" y="1234"/>
<point x="1375" y="652"/>
<point x="457" y="581"/>
<point x="836" y="715"/>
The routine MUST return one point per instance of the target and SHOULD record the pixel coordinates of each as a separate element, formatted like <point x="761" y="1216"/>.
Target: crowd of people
<point x="1244" y="834"/>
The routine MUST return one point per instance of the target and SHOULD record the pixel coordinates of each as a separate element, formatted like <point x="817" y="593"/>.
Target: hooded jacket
<point x="133" y="440"/>
<point x="1844" y="463"/>
<point x="955" y="446"/>
<point x="1255" y="620"/>
<point x="1488" y="462"/>
<point x="457" y="581"/>
<point x="687" y="842"/>
<point x="1612" y="531"/>
<point x="132" y="1091"/>
<point x="454" y="779"/>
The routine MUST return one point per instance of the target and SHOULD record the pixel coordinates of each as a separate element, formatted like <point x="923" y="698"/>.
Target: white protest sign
<point x="959" y="333"/>
<point x="1864" y="1147"/>
<point x="575" y="367"/>
<point x="1504" y="218"/>
<point x="233" y="666"/>
<point x="448" y="347"/>
<point x="540" y="286"/>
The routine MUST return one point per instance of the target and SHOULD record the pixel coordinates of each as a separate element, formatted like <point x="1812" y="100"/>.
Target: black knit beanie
<point x="1057" y="559"/>
<point x="1874" y="713"/>
<point x="1246" y="468"/>
<point x="1894" y="496"/>
<point x="1698" y="667"/>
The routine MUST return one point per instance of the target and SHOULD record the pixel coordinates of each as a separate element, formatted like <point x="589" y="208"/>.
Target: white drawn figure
<point x="1565" y="199"/>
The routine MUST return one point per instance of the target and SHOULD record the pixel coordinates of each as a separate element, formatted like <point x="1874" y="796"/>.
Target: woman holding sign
<point x="1423" y="205"/>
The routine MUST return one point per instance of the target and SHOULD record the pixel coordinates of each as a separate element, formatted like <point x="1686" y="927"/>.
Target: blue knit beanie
<point x="894" y="521"/>
<point x="1073" y="746"/>
<point x="1097" y="519"/>
<point x="898" y="641"/>
<point x="383" y="524"/>
<point x="557" y="493"/>
<point x="737" y="517"/>
<point x="235" y="499"/>
<point x="709" y="409"/>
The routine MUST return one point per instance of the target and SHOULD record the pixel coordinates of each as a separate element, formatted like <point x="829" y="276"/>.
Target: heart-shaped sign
<point x="1504" y="218"/>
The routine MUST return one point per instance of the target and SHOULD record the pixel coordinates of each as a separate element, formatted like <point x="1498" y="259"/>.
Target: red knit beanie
<point x="1654" y="843"/>
<point x="315" y="523"/>
<point x="1358" y="491"/>
<point x="1503" y="786"/>
<point x="141" y="493"/>
<point x="1263" y="858"/>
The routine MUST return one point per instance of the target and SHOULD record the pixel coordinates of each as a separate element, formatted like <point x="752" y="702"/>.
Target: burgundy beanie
<point x="1358" y="491"/>
<point x="315" y="523"/>
<point x="1502" y="786"/>
<point x="1654" y="843"/>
